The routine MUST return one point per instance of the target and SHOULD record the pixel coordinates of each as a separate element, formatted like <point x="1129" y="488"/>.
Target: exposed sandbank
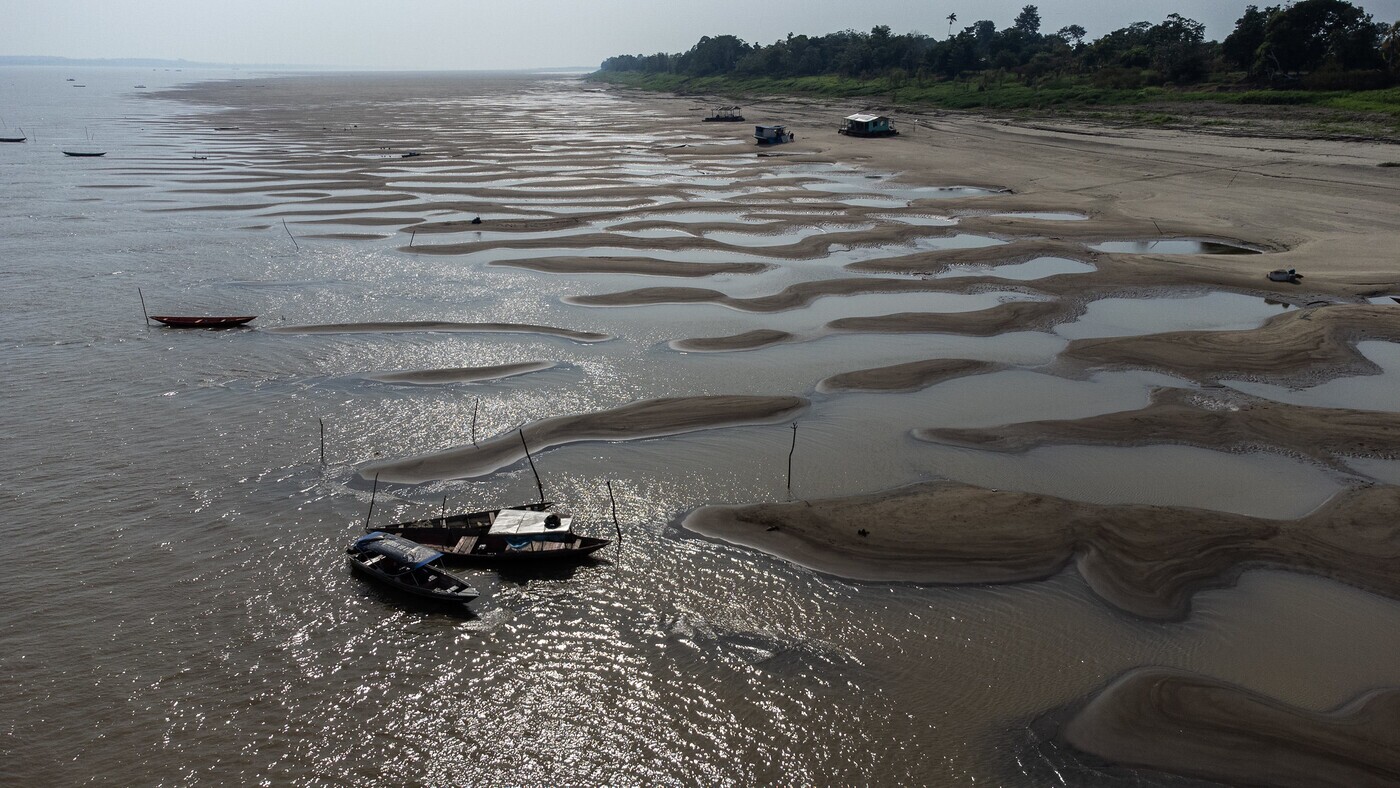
<point x="630" y="265"/>
<point x="1189" y="724"/>
<point x="1000" y="319"/>
<point x="1148" y="560"/>
<point x="911" y="376"/>
<point x="646" y="419"/>
<point x="1291" y="345"/>
<point x="431" y="377"/>
<point x="749" y="340"/>
<point x="441" y="327"/>
<point x="1223" y="420"/>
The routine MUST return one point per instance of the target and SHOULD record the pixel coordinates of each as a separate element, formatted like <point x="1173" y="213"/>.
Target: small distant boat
<point x="70" y="79"/>
<point x="13" y="139"/>
<point x="80" y="86"/>
<point x="225" y="128"/>
<point x="177" y="321"/>
<point x="200" y="158"/>
<point x="411" y="154"/>
<point x="85" y="153"/>
<point x="725" y="115"/>
<point x="408" y="567"/>
<point x="521" y="535"/>
<point x="1284" y="275"/>
<point x="138" y="86"/>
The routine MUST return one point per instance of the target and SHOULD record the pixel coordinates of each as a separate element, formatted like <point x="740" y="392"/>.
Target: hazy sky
<point x="479" y="34"/>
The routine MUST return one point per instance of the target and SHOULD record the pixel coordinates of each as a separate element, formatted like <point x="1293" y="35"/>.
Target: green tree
<point x="1312" y="34"/>
<point x="1028" y="21"/>
<point x="1241" y="48"/>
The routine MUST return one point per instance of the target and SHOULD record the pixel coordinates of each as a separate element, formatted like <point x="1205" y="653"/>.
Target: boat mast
<point x="538" y="483"/>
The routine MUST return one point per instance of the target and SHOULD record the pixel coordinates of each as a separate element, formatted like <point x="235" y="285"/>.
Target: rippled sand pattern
<point x="800" y="333"/>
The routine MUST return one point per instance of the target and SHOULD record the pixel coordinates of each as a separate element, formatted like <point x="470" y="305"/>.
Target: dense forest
<point x="1311" y="44"/>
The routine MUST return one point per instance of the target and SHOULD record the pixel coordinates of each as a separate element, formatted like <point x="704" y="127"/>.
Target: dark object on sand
<point x="522" y="535"/>
<point x="85" y="153"/>
<point x="1284" y="275"/>
<point x="725" y="115"/>
<point x="408" y="567"/>
<point x="179" y="321"/>
<point x="411" y="154"/>
<point x="477" y="220"/>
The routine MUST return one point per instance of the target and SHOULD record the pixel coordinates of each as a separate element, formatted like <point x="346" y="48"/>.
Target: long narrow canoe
<point x="13" y="139"/>
<point x="181" y="321"/>
<point x="84" y="153"/>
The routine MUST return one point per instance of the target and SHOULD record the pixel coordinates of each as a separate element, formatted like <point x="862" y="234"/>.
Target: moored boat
<point x="214" y="321"/>
<point x="85" y="153"/>
<point x="13" y="139"/>
<point x="408" y="567"/>
<point x="519" y="535"/>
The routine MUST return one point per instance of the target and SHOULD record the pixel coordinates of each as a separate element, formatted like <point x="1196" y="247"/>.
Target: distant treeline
<point x="1329" y="44"/>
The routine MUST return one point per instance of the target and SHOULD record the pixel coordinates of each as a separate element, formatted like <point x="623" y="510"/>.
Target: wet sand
<point x="1148" y="560"/>
<point x="1212" y="419"/>
<point x="1197" y="726"/>
<point x="749" y="340"/>
<point x="441" y="326"/>
<point x="912" y="376"/>
<point x="433" y="377"/>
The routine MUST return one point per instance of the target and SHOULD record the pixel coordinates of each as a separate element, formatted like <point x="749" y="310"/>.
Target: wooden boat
<point x="408" y="567"/>
<point x="13" y="139"/>
<point x="411" y="154"/>
<point x="178" y="321"/>
<point x="84" y="153"/>
<point x="521" y="535"/>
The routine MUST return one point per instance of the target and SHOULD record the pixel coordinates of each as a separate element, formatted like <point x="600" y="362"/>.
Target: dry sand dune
<point x="1193" y="725"/>
<point x="911" y="376"/>
<point x="431" y="377"/>
<point x="1148" y="560"/>
<point x="441" y="326"/>
<point x="647" y="419"/>
<point x="1219" y="419"/>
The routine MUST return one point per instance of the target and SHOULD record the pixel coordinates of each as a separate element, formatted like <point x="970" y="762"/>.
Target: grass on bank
<point x="1005" y="94"/>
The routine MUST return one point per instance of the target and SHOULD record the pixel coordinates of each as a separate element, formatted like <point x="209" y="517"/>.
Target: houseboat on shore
<point x="865" y="125"/>
<point x="772" y="135"/>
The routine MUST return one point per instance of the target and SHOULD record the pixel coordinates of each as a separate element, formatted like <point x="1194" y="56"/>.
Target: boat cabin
<point x="519" y="526"/>
<point x="865" y="125"/>
<point x="725" y="115"/>
<point x="772" y="135"/>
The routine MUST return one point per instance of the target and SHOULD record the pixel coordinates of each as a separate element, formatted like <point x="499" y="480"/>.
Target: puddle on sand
<point x="1039" y="268"/>
<point x="1172" y="246"/>
<point x="1121" y="317"/>
<point x="1382" y="470"/>
<point x="1362" y="392"/>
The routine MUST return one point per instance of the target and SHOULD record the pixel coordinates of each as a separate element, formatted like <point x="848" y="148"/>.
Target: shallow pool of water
<point x="1361" y="392"/>
<point x="1113" y="317"/>
<point x="1172" y="246"/>
<point x="1038" y="268"/>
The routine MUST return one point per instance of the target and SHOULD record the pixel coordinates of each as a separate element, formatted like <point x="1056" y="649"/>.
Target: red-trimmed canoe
<point x="177" y="321"/>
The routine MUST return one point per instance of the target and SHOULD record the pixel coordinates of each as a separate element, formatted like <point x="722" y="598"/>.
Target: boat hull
<point x="390" y="581"/>
<point x="84" y="154"/>
<point x="464" y="539"/>
<point x="178" y="321"/>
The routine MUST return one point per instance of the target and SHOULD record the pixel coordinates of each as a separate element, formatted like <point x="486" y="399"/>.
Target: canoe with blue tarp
<point x="407" y="566"/>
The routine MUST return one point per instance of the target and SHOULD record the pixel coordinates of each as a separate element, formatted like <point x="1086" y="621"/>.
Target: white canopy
<point x="528" y="522"/>
<point x="861" y="117"/>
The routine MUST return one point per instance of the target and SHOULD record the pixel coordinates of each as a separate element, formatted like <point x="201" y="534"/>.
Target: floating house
<point x="772" y="135"/>
<point x="863" y="125"/>
<point x="725" y="115"/>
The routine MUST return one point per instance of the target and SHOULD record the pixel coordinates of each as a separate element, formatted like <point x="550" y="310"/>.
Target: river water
<point x="178" y="607"/>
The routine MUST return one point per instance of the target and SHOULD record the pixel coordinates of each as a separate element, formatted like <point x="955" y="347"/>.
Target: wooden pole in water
<point x="614" y="513"/>
<point x="538" y="483"/>
<point x="1159" y="228"/>
<point x="475" y="405"/>
<point x="444" y="509"/>
<point x="295" y="245"/>
<point x="790" y="453"/>
<point x="144" y="314"/>
<point x="372" y="493"/>
<point x="322" y="422"/>
<point x="412" y="236"/>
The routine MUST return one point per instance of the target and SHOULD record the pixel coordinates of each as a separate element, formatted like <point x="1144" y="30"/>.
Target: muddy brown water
<point x="178" y="609"/>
